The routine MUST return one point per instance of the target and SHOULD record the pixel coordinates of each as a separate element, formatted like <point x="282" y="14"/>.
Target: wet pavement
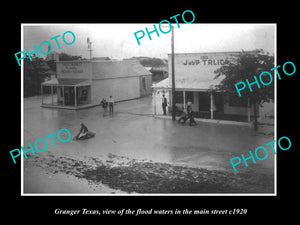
<point x="132" y="133"/>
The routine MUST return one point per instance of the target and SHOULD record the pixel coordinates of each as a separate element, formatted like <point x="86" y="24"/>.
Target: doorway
<point x="204" y="101"/>
<point x="69" y="95"/>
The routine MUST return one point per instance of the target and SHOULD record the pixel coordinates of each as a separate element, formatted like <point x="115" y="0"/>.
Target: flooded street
<point x="130" y="135"/>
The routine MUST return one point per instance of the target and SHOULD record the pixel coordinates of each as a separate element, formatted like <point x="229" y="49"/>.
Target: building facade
<point x="83" y="83"/>
<point x="195" y="82"/>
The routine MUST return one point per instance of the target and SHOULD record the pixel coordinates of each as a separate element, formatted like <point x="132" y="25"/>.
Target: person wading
<point x="111" y="104"/>
<point x="104" y="104"/>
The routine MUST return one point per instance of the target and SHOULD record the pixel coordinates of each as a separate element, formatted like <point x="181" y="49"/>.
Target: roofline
<point x="73" y="61"/>
<point x="108" y="78"/>
<point x="229" y="52"/>
<point x="187" y="89"/>
<point x="97" y="60"/>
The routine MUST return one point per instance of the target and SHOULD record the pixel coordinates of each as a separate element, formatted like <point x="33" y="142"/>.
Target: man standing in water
<point x="104" y="104"/>
<point x="111" y="104"/>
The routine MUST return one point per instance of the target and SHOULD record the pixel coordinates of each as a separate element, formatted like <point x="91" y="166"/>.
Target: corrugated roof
<point x="52" y="81"/>
<point x="188" y="83"/>
<point x="230" y="53"/>
<point x="73" y="82"/>
<point x="116" y="69"/>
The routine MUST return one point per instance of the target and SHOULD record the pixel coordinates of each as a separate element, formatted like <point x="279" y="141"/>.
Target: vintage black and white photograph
<point x="148" y="109"/>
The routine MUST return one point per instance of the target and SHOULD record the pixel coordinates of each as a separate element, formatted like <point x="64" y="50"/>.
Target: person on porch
<point x="164" y="104"/>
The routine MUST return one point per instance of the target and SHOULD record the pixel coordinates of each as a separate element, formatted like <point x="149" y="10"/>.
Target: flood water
<point x="131" y="131"/>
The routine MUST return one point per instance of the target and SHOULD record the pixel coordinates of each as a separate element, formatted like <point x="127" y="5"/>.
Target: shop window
<point x="179" y="97"/>
<point x="84" y="93"/>
<point x="189" y="95"/>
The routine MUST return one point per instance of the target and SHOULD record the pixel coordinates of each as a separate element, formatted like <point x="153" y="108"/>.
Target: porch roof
<point x="188" y="83"/>
<point x="66" y="82"/>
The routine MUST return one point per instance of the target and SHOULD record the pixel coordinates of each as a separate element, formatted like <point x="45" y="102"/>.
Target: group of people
<point x="110" y="103"/>
<point x="187" y="113"/>
<point x="84" y="133"/>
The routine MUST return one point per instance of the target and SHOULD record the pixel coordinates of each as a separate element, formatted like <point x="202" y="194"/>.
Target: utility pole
<point x="173" y="79"/>
<point x="89" y="43"/>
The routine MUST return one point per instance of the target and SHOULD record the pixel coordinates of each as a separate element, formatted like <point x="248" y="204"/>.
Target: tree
<point x="52" y="65"/>
<point x="246" y="66"/>
<point x="35" y="72"/>
<point x="66" y="57"/>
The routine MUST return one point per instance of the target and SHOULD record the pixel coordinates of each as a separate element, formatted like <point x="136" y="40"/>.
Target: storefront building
<point x="195" y="82"/>
<point x="82" y="84"/>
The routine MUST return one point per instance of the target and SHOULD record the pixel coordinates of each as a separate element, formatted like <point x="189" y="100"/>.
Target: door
<point x="219" y="101"/>
<point x="69" y="95"/>
<point x="204" y="101"/>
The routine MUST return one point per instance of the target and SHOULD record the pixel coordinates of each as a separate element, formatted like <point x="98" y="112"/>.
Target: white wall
<point x="267" y="111"/>
<point x="234" y="110"/>
<point x="157" y="100"/>
<point x="120" y="89"/>
<point x="201" y="65"/>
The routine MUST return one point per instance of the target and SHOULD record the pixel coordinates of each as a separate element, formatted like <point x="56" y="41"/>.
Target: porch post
<point x="63" y="95"/>
<point x="249" y="111"/>
<point x="184" y="103"/>
<point x="52" y="93"/>
<point x="170" y="98"/>
<point x="211" y="105"/>
<point x="154" y="101"/>
<point x="75" y="96"/>
<point x="42" y="94"/>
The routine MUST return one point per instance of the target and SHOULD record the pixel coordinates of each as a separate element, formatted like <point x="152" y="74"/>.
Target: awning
<point x="188" y="83"/>
<point x="67" y="82"/>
